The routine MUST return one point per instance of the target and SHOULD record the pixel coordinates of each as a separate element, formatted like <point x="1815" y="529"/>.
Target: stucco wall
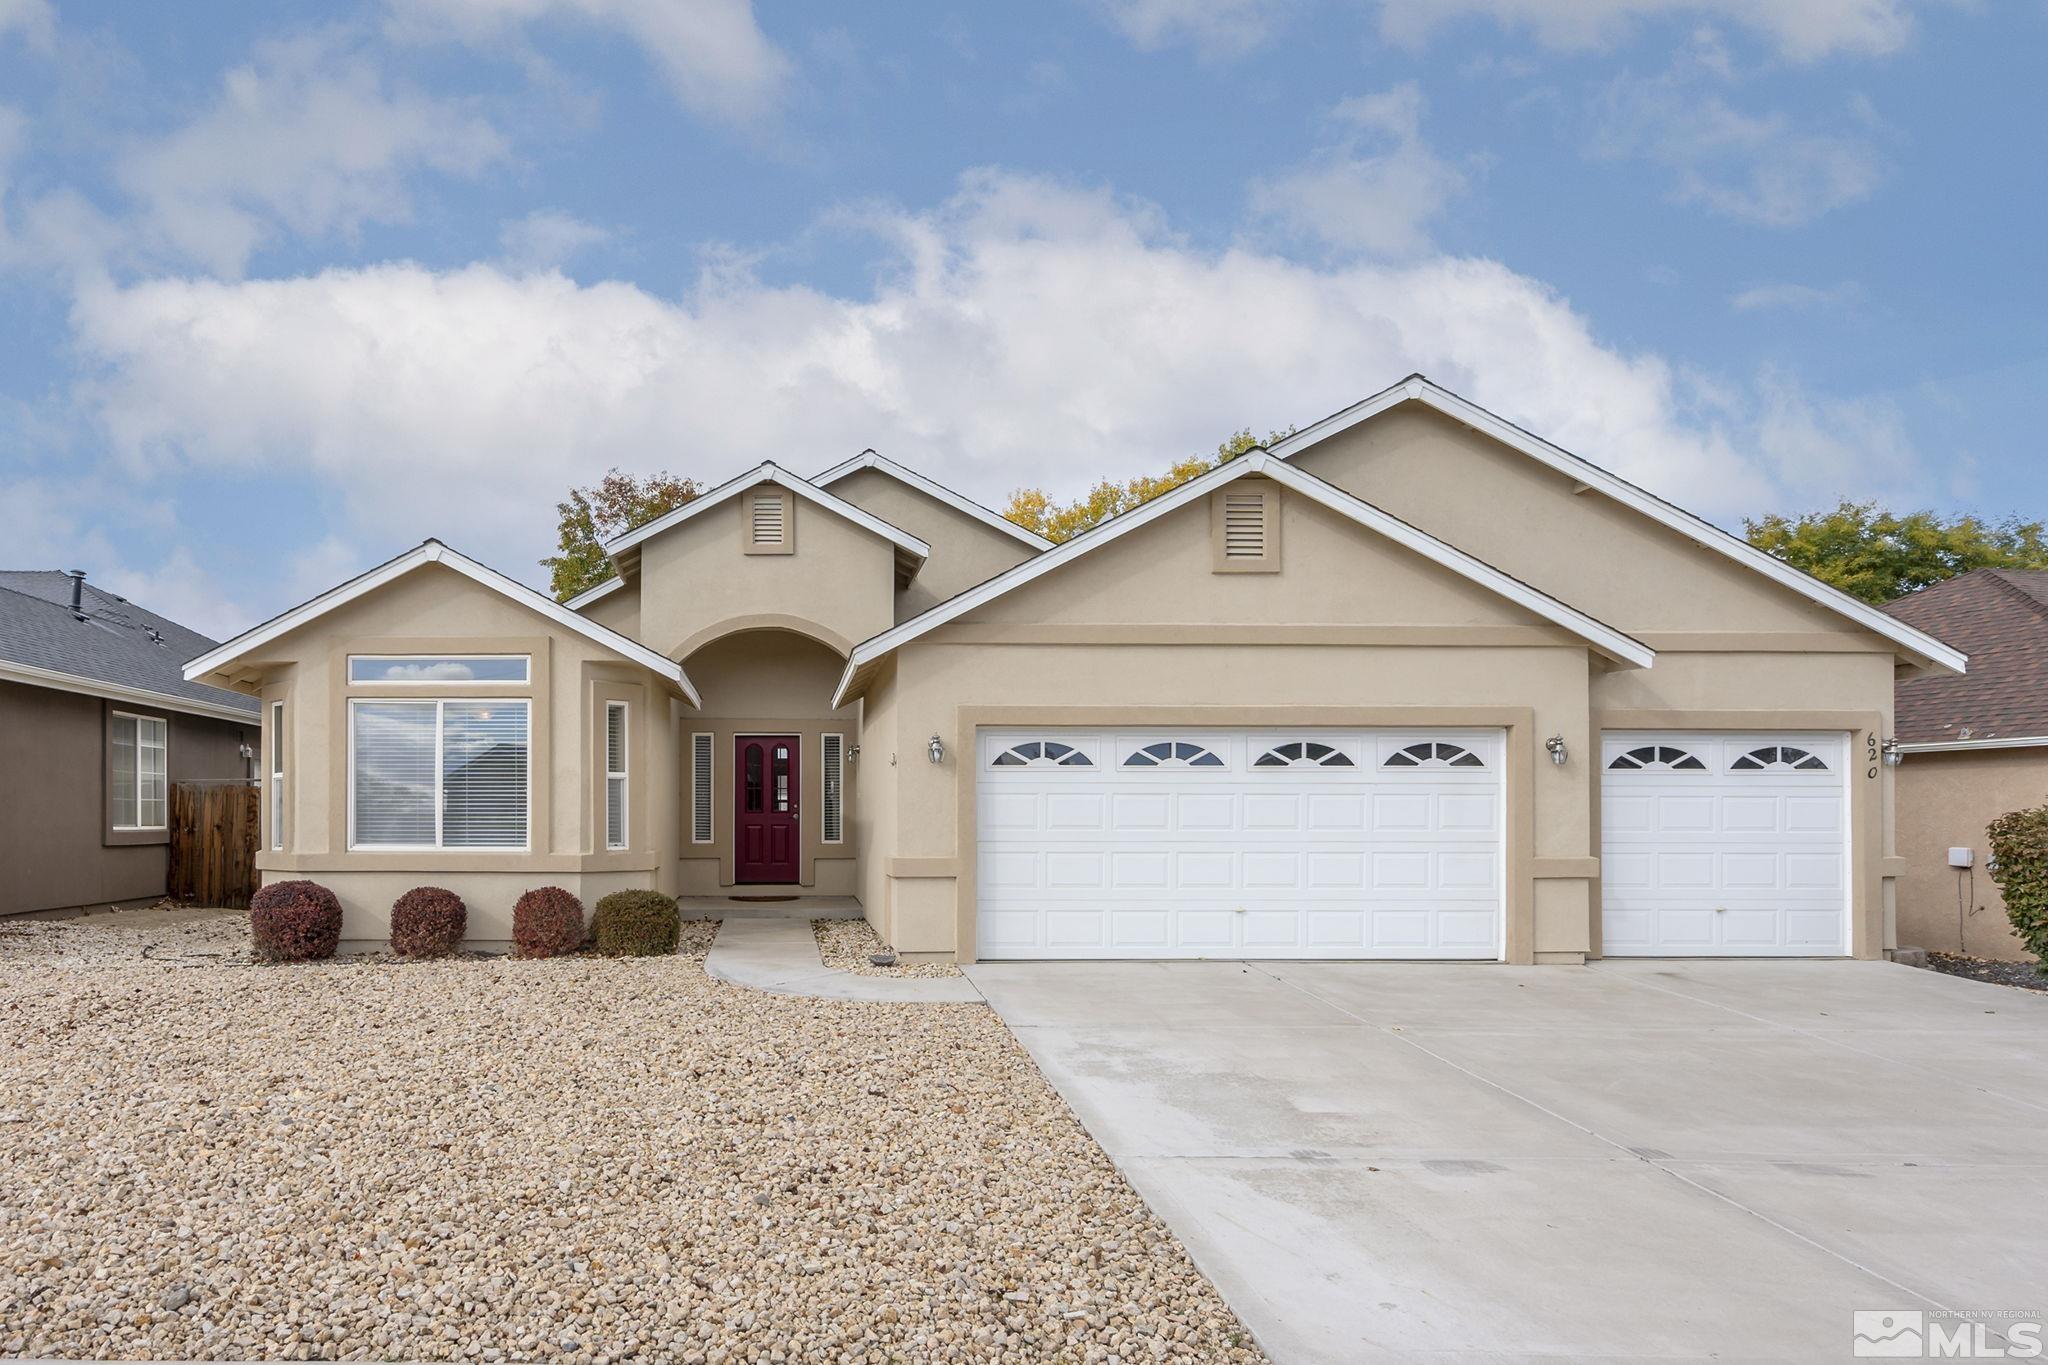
<point x="1945" y="801"/>
<point x="56" y="845"/>
<point x="965" y="551"/>
<point x="436" y="610"/>
<point x="618" y="610"/>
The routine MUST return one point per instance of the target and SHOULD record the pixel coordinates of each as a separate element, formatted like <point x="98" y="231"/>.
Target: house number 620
<point x="1870" y="752"/>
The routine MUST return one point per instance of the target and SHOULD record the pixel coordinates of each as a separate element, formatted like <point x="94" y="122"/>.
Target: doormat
<point x="755" y="900"/>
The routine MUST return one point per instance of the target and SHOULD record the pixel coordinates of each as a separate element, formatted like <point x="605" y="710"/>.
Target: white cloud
<point x="712" y="53"/>
<point x="34" y="20"/>
<point x="1799" y="29"/>
<point x="1758" y="168"/>
<point x="308" y="138"/>
<point x="1376" y="190"/>
<point x="546" y="239"/>
<point x="1216" y="28"/>
<point x="1843" y="447"/>
<point x="1024" y="332"/>
<point x="1788" y="295"/>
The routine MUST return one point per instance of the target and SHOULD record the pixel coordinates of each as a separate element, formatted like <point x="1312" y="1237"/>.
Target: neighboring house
<point x="1975" y="747"/>
<point x="1414" y="684"/>
<point x="96" y="721"/>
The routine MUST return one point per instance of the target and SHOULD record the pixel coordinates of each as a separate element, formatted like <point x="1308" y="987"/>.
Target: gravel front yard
<point x="2025" y="975"/>
<point x="848" y="944"/>
<point x="580" y="1158"/>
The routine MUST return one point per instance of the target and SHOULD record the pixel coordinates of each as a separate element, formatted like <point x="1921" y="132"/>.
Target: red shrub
<point x="427" y="921"/>
<point x="295" y="921"/>
<point x="547" y="922"/>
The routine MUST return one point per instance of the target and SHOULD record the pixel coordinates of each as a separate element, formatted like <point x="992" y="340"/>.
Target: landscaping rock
<point x="851" y="945"/>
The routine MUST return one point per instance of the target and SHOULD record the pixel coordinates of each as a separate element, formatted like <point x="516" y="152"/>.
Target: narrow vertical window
<point x="277" y="775"/>
<point x="753" y="802"/>
<point x="139" y="772"/>
<point x="615" y="774"/>
<point x="833" y="753"/>
<point x="700" y="789"/>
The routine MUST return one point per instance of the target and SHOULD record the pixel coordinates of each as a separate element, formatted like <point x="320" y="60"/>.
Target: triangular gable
<point x="1418" y="388"/>
<point x="931" y="488"/>
<point x="434" y="552"/>
<point x="1604" y="638"/>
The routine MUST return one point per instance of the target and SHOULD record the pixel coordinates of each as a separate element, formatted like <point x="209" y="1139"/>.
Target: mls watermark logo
<point x="1948" y="1334"/>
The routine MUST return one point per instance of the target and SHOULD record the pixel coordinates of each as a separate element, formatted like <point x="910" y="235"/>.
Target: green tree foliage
<point x="610" y="507"/>
<point x="2019" y="865"/>
<point x="1877" y="555"/>
<point x="1032" y="509"/>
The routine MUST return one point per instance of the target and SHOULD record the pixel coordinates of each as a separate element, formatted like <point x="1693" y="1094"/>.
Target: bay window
<point x="438" y="774"/>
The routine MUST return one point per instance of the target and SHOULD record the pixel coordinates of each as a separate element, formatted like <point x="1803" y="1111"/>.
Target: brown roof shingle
<point x="1999" y="617"/>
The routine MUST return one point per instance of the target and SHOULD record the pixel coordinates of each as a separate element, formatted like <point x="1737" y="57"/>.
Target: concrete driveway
<point x="1649" y="1159"/>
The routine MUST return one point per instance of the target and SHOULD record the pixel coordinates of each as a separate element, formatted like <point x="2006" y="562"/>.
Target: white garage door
<point x="1238" y="844"/>
<point x="1724" y="845"/>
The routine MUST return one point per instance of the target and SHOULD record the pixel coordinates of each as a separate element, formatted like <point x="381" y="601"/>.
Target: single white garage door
<point x="1238" y="843"/>
<point x="1724" y="845"/>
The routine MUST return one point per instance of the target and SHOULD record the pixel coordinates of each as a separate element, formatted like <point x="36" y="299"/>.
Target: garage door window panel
<point x="1174" y="753"/>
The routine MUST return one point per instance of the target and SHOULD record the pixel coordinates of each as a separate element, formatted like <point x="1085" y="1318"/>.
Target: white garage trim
<point x="1199" y="842"/>
<point x="1726" y="843"/>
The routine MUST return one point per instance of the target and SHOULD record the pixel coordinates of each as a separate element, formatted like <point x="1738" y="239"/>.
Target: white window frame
<point x="164" y="726"/>
<point x="525" y="678"/>
<point x="831" y="783"/>
<point x="277" y="775"/>
<point x="440" y="802"/>
<point x="619" y="775"/>
<point x="704" y="817"/>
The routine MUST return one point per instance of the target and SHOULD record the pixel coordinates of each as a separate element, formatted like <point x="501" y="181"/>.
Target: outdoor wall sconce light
<point x="1555" y="746"/>
<point x="853" y="754"/>
<point x="938" y="750"/>
<point x="1894" y="753"/>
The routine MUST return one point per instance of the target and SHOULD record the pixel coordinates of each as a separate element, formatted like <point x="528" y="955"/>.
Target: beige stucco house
<point x="1413" y="684"/>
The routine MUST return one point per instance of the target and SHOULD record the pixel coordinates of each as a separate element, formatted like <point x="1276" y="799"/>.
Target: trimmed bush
<point x="636" y="924"/>
<point x="547" y="922"/>
<point x="427" y="921"/>
<point x="295" y="921"/>
<point x="2019" y="868"/>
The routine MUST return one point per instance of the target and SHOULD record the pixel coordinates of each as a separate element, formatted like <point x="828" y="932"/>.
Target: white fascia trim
<point x="1603" y="637"/>
<point x="869" y="459"/>
<point x="589" y="595"/>
<point x="30" y="676"/>
<point x="770" y="472"/>
<point x="1416" y="388"/>
<point x="434" y="552"/>
<point x="1960" y="746"/>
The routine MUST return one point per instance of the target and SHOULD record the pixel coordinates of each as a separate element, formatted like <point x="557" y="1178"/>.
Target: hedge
<point x="427" y="921"/>
<point x="547" y="922"/>
<point x="295" y="921"/>
<point x="2019" y="867"/>
<point x="636" y="924"/>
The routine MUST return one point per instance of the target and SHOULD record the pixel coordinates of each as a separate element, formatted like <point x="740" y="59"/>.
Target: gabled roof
<point x="1417" y="388"/>
<point x="589" y="595"/>
<point x="869" y="459"/>
<point x="2001" y="617"/>
<point x="911" y="552"/>
<point x="1602" y="637"/>
<point x="110" y="647"/>
<point x="434" y="552"/>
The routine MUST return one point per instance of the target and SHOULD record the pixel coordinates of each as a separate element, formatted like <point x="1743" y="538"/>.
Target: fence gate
<point x="213" y="842"/>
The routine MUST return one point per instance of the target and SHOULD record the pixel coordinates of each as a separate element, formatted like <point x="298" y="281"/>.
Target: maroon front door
<point x="765" y="806"/>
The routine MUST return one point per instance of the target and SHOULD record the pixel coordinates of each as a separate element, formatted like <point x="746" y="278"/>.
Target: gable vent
<point x="1244" y="524"/>
<point x="767" y="518"/>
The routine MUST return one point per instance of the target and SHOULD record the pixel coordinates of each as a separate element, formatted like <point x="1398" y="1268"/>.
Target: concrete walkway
<point x="1632" y="1161"/>
<point x="779" y="953"/>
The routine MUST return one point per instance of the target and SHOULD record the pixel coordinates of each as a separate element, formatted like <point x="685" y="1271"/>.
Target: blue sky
<point x="289" y="287"/>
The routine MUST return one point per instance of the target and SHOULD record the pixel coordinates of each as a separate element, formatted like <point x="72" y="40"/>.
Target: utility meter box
<point x="1962" y="857"/>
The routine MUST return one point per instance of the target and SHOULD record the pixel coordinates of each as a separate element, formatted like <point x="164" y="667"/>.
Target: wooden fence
<point x="213" y="842"/>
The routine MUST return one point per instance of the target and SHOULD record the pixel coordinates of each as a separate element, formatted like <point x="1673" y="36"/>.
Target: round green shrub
<point x="547" y="922"/>
<point x="636" y="924"/>
<point x="295" y="921"/>
<point x="2019" y="867"/>
<point x="427" y="921"/>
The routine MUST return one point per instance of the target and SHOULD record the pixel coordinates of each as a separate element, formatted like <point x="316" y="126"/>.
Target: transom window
<point x="1434" y="754"/>
<point x="1173" y="753"/>
<point x="1041" y="753"/>
<point x="138" y="771"/>
<point x="1779" y="756"/>
<point x="1303" y="753"/>
<point x="1661" y="757"/>
<point x="438" y="774"/>
<point x="437" y="668"/>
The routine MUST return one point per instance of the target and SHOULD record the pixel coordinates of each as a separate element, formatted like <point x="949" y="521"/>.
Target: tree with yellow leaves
<point x="1032" y="509"/>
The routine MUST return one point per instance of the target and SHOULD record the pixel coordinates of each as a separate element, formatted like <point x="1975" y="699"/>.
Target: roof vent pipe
<point x="77" y="577"/>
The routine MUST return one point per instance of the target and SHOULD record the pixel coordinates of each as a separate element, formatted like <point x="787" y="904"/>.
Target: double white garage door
<point x="1239" y="844"/>
<point x="1324" y="843"/>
